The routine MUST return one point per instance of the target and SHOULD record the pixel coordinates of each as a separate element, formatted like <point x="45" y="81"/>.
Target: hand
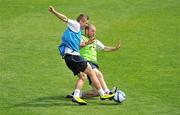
<point x="82" y="44"/>
<point x="118" y="45"/>
<point x="91" y="40"/>
<point x="51" y="9"/>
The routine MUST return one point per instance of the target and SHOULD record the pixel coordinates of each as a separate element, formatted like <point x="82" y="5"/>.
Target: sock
<point x="76" y="93"/>
<point x="106" y="91"/>
<point x="80" y="94"/>
<point x="101" y="92"/>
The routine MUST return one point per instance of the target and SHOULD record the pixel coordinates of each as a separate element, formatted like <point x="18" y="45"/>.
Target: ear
<point x="80" y="21"/>
<point x="86" y="31"/>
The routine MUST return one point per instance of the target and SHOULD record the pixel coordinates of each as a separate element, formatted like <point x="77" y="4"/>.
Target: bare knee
<point x="82" y="76"/>
<point x="98" y="74"/>
<point x="89" y="71"/>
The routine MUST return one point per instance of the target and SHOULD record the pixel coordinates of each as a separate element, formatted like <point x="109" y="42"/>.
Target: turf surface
<point x="34" y="79"/>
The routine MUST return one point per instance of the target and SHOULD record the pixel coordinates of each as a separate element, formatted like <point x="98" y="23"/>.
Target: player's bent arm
<point x="85" y="43"/>
<point x="58" y="15"/>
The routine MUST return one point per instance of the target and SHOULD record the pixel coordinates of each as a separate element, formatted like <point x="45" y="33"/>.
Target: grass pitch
<point x="34" y="79"/>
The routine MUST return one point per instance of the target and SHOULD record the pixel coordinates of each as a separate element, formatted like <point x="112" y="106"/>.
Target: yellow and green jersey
<point x="89" y="51"/>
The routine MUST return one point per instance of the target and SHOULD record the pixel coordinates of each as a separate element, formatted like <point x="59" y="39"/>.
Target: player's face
<point x="83" y="23"/>
<point x="92" y="31"/>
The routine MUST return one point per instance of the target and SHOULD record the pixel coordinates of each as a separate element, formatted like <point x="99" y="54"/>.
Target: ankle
<point x="76" y="93"/>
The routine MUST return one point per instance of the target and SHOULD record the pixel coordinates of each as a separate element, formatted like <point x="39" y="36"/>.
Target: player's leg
<point x="80" y="81"/>
<point x="90" y="93"/>
<point x="95" y="82"/>
<point x="93" y="92"/>
<point x="76" y="64"/>
<point x="85" y="94"/>
<point x="101" y="80"/>
<point x="89" y="71"/>
<point x="79" y="84"/>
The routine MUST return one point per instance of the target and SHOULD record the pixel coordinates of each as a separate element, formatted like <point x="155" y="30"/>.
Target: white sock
<point x="76" y="93"/>
<point x="80" y="94"/>
<point x="101" y="92"/>
<point x="106" y="91"/>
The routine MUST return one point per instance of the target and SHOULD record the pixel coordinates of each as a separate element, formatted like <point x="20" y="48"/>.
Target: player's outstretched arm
<point x="109" y="48"/>
<point x="57" y="14"/>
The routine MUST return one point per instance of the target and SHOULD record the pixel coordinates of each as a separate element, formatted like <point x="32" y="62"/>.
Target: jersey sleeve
<point x="73" y="25"/>
<point x="99" y="45"/>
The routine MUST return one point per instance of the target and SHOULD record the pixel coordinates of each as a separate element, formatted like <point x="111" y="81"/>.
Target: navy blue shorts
<point x="93" y="66"/>
<point x="75" y="63"/>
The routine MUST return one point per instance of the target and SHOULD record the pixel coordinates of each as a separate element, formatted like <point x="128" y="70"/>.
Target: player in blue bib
<point x="69" y="50"/>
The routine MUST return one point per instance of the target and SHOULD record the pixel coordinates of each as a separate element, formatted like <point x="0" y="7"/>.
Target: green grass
<point x="34" y="79"/>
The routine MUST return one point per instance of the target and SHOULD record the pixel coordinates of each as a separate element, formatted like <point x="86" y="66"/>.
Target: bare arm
<point x="90" y="41"/>
<point x="58" y="15"/>
<point x="109" y="48"/>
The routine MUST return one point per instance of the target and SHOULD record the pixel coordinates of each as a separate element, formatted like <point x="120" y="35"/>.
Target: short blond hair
<point x="90" y="26"/>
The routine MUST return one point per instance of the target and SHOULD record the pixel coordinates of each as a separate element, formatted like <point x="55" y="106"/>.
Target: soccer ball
<point x="119" y="96"/>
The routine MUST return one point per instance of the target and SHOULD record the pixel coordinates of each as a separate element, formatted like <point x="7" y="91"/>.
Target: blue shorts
<point x="75" y="63"/>
<point x="93" y="65"/>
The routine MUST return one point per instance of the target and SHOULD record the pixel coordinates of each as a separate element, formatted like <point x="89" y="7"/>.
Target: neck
<point x="87" y="36"/>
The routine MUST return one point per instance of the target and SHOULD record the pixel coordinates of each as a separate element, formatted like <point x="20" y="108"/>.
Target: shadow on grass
<point x="110" y="104"/>
<point x="51" y="101"/>
<point x="58" y="101"/>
